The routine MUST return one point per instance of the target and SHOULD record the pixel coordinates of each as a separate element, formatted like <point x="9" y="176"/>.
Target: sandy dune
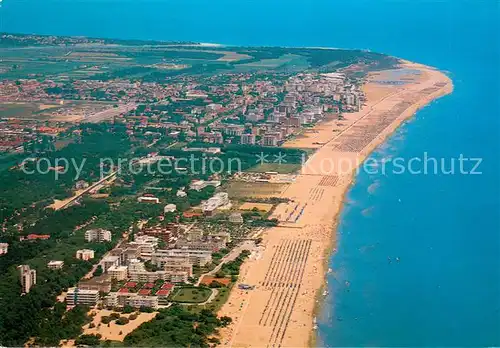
<point x="290" y="271"/>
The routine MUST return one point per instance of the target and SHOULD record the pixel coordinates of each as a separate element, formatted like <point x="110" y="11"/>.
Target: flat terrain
<point x="238" y="189"/>
<point x="290" y="271"/>
<point x="113" y="331"/>
<point x="69" y="111"/>
<point x="260" y="206"/>
<point x="158" y="62"/>
<point x="282" y="168"/>
<point x="191" y="295"/>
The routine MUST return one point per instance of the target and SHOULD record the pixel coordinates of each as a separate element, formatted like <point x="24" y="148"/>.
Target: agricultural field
<point x="156" y="62"/>
<point x="72" y="111"/>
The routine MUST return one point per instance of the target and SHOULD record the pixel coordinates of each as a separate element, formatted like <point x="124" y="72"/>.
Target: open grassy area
<point x="18" y="110"/>
<point x="283" y="168"/>
<point x="216" y="304"/>
<point x="191" y="295"/>
<point x="265" y="207"/>
<point x="238" y="189"/>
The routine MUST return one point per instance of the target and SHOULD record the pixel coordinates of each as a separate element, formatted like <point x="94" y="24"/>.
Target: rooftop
<point x="163" y="292"/>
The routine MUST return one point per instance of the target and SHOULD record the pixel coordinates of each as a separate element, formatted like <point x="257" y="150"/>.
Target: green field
<point x="16" y="110"/>
<point x="283" y="168"/>
<point x="191" y="295"/>
<point x="215" y="305"/>
<point x="139" y="61"/>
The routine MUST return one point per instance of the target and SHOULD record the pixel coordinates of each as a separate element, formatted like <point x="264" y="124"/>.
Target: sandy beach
<point x="289" y="271"/>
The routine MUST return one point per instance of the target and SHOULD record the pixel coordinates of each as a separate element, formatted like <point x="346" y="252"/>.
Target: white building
<point x="118" y="272"/>
<point x="98" y="235"/>
<point x="143" y="301"/>
<point x="218" y="200"/>
<point x="85" y="254"/>
<point x="247" y="139"/>
<point x="181" y="194"/>
<point x="117" y="299"/>
<point x="254" y="116"/>
<point x="147" y="277"/>
<point x="172" y="273"/>
<point x="79" y="296"/>
<point x="55" y="264"/>
<point x="110" y="261"/>
<point x="4" y="248"/>
<point x="178" y="266"/>
<point x="196" y="257"/>
<point x="135" y="265"/>
<point x="270" y="140"/>
<point x="169" y="208"/>
<point x="178" y="277"/>
<point x="350" y="99"/>
<point x="236" y="218"/>
<point x="146" y="245"/>
<point x="146" y="199"/>
<point x="27" y="277"/>
<point x="201" y="184"/>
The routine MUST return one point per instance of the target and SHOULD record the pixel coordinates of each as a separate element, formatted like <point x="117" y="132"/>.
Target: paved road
<point x="233" y="254"/>
<point x="81" y="193"/>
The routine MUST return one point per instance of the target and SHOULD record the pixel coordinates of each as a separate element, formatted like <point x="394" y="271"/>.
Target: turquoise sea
<point x="445" y="229"/>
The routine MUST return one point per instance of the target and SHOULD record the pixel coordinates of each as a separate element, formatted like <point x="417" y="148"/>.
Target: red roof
<point x="131" y="284"/>
<point x="123" y="290"/>
<point x="190" y="214"/>
<point x="167" y="286"/>
<point x="144" y="292"/>
<point x="37" y="236"/>
<point x="148" y="286"/>
<point x="163" y="292"/>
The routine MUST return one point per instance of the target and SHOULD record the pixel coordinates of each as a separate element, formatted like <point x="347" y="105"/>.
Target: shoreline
<point x="407" y="115"/>
<point x="290" y="273"/>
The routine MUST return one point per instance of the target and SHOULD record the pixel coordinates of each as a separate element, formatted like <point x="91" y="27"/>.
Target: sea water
<point x="418" y="260"/>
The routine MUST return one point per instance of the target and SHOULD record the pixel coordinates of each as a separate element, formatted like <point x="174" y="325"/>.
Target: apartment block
<point x="79" y="296"/>
<point x="100" y="283"/>
<point x="118" y="272"/>
<point x="98" y="235"/>
<point x="195" y="257"/>
<point x="55" y="265"/>
<point x="85" y="254"/>
<point x="247" y="139"/>
<point x="110" y="261"/>
<point x="27" y="278"/>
